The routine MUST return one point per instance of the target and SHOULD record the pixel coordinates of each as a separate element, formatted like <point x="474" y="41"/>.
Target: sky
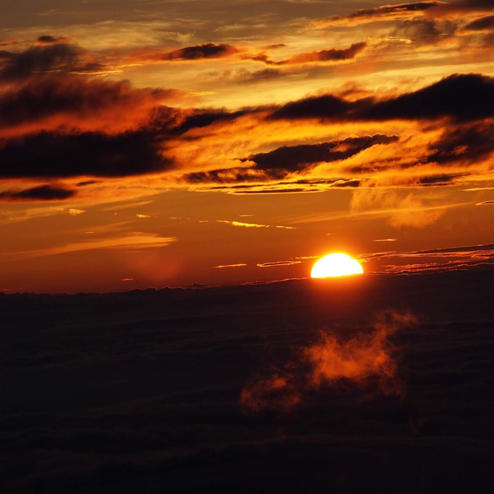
<point x="156" y="143"/>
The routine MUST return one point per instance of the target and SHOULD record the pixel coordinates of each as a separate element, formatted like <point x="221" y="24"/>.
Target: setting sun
<point x="334" y="265"/>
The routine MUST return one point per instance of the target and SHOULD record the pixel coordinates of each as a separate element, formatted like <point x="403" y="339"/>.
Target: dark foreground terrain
<point x="140" y="392"/>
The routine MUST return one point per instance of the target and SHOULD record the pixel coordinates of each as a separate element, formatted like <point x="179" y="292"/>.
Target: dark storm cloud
<point x="332" y="55"/>
<point x="462" y="97"/>
<point x="482" y="24"/>
<point x="56" y="155"/>
<point x="47" y="58"/>
<point x="41" y="193"/>
<point x="283" y="161"/>
<point x="206" y="50"/>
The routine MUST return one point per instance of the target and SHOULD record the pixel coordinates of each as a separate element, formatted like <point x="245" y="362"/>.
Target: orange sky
<point x="157" y="143"/>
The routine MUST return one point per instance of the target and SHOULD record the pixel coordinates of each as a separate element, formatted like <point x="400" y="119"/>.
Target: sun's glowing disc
<point x="336" y="264"/>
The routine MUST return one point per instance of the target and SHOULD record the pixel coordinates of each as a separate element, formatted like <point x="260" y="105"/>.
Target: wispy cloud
<point x="274" y="264"/>
<point x="254" y="225"/>
<point x="227" y="266"/>
<point x="129" y="241"/>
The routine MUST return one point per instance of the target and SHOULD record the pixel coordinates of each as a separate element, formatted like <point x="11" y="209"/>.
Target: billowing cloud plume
<point x="367" y="360"/>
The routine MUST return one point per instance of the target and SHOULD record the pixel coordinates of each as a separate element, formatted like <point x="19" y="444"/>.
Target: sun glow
<point x="334" y="265"/>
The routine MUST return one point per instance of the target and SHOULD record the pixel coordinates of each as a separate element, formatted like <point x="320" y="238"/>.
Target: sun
<point x="336" y="264"/>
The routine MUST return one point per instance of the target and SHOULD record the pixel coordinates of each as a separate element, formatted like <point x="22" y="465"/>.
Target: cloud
<point x="434" y="180"/>
<point x="482" y="24"/>
<point x="461" y="7"/>
<point x="442" y="259"/>
<point x="332" y="55"/>
<point x="72" y="102"/>
<point x="47" y="58"/>
<point x="383" y="12"/>
<point x="228" y="266"/>
<point x="296" y="158"/>
<point x="290" y="159"/>
<point x="90" y="153"/>
<point x="461" y="97"/>
<point x="254" y="225"/>
<point x="75" y="211"/>
<point x="402" y="210"/>
<point x="39" y="193"/>
<point x="424" y="31"/>
<point x="366" y="360"/>
<point x="188" y="53"/>
<point x="65" y="127"/>
<point x="467" y="144"/>
<point x="131" y="241"/>
<point x="244" y="76"/>
<point x="47" y="39"/>
<point x="275" y="264"/>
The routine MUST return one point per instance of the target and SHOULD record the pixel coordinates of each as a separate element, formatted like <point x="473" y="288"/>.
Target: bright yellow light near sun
<point x="334" y="265"/>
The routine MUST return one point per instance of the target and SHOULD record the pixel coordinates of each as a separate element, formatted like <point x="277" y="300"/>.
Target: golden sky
<point x="157" y="143"/>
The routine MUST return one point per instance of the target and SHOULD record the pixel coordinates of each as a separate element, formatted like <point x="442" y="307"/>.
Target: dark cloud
<point x="383" y="11"/>
<point x="39" y="193"/>
<point x="86" y="182"/>
<point x="244" y="76"/>
<point x="202" y="118"/>
<point x="467" y="144"/>
<point x="332" y="55"/>
<point x="48" y="39"/>
<point x="56" y="155"/>
<point x="283" y="161"/>
<point x="462" y="97"/>
<point x="47" y="58"/>
<point x="297" y="158"/>
<point x="482" y="24"/>
<point x="325" y="107"/>
<point x="464" y="6"/>
<point x="442" y="179"/>
<point x="468" y="248"/>
<point x="74" y="96"/>
<point x="424" y="31"/>
<point x="206" y="50"/>
<point x="347" y="183"/>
